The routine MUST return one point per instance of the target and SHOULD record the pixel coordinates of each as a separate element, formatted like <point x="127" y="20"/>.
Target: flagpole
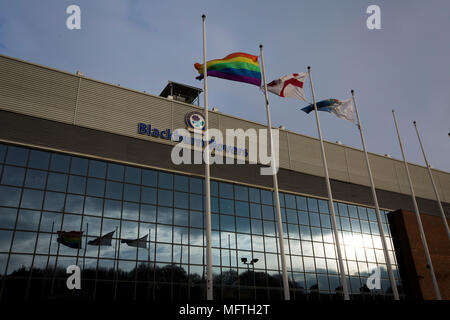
<point x="438" y="199"/>
<point x="416" y="209"/>
<point x="377" y="208"/>
<point x="330" y="196"/>
<point x="275" y="186"/>
<point x="209" y="283"/>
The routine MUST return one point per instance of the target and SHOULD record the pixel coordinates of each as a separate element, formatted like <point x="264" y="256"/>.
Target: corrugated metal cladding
<point x="55" y="95"/>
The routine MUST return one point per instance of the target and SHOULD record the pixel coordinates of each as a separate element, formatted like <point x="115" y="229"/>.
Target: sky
<point x="142" y="44"/>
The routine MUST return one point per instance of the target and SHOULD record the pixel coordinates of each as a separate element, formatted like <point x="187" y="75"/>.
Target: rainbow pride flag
<point x="237" y="66"/>
<point x="70" y="239"/>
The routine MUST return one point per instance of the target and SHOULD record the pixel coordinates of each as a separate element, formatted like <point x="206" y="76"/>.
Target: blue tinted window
<point x="17" y="156"/>
<point x="114" y="190"/>
<point x="181" y="217"/>
<point x="165" y="180"/>
<point x="343" y="210"/>
<point x="254" y="195"/>
<point x="165" y="197"/>
<point x="149" y="178"/>
<point x="214" y="204"/>
<point x="148" y="213"/>
<point x="115" y="172"/>
<point x="196" y="185"/>
<point x="242" y="209"/>
<point x="353" y="212"/>
<point x="113" y="209"/>
<point x="269" y="228"/>
<point x="372" y="214"/>
<point x="148" y="195"/>
<point x="54" y="201"/>
<point x="9" y="196"/>
<point x="301" y="203"/>
<point x="290" y="201"/>
<point x="313" y="205"/>
<point x="74" y="204"/>
<point x="195" y="202"/>
<point x="226" y="206"/>
<point x="255" y="210"/>
<point x="2" y="152"/>
<point x="291" y="216"/>
<point x="35" y="179"/>
<point x="57" y="182"/>
<point x="130" y="211"/>
<point x="314" y="219"/>
<point x="240" y="193"/>
<point x="13" y="176"/>
<point x="95" y="187"/>
<point x="214" y="186"/>
<point x="227" y="223"/>
<point x="266" y="197"/>
<point x="243" y="225"/>
<point x="131" y="192"/>
<point x="256" y="226"/>
<point x="362" y="212"/>
<point x="93" y="206"/>
<point x="59" y="163"/>
<point x="196" y="219"/>
<point x="133" y="175"/>
<point x="325" y="220"/>
<point x="79" y="166"/>
<point x="226" y="190"/>
<point x="267" y="212"/>
<point x="165" y="215"/>
<point x="97" y="169"/>
<point x="181" y="200"/>
<point x="181" y="183"/>
<point x="32" y="199"/>
<point x="77" y="184"/>
<point x="39" y="159"/>
<point x="323" y="206"/>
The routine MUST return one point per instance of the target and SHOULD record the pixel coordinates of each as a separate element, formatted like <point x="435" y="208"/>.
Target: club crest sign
<point x="195" y="121"/>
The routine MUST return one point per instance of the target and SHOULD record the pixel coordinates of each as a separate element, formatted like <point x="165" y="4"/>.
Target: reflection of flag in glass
<point x="102" y="241"/>
<point x="71" y="239"/>
<point x="140" y="243"/>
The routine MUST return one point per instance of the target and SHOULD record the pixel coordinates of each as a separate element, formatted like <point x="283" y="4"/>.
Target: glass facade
<point x="43" y="194"/>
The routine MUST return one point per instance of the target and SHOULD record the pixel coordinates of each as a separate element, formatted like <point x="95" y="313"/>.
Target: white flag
<point x="344" y="110"/>
<point x="289" y="86"/>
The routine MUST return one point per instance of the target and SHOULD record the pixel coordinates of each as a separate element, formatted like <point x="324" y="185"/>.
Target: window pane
<point x="35" y="179"/>
<point x="181" y="183"/>
<point x="131" y="193"/>
<point x="196" y="185"/>
<point x="181" y="200"/>
<point x="227" y="223"/>
<point x="96" y="187"/>
<point x="77" y="184"/>
<point x="17" y="156"/>
<point x="115" y="172"/>
<point x="165" y="180"/>
<point x="241" y="193"/>
<point x="114" y="190"/>
<point x="165" y="197"/>
<point x="97" y="169"/>
<point x="57" y="182"/>
<point x="226" y="190"/>
<point x="59" y="163"/>
<point x="54" y="201"/>
<point x="195" y="202"/>
<point x="313" y="205"/>
<point x="32" y="199"/>
<point x="148" y="195"/>
<point x="13" y="176"/>
<point x="79" y="166"/>
<point x="266" y="197"/>
<point x="254" y="195"/>
<point x="39" y="159"/>
<point x="132" y="175"/>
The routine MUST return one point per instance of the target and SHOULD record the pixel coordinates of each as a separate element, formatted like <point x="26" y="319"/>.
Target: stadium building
<point x="86" y="179"/>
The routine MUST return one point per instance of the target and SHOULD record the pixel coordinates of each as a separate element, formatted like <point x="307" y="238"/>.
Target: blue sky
<point x="143" y="44"/>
